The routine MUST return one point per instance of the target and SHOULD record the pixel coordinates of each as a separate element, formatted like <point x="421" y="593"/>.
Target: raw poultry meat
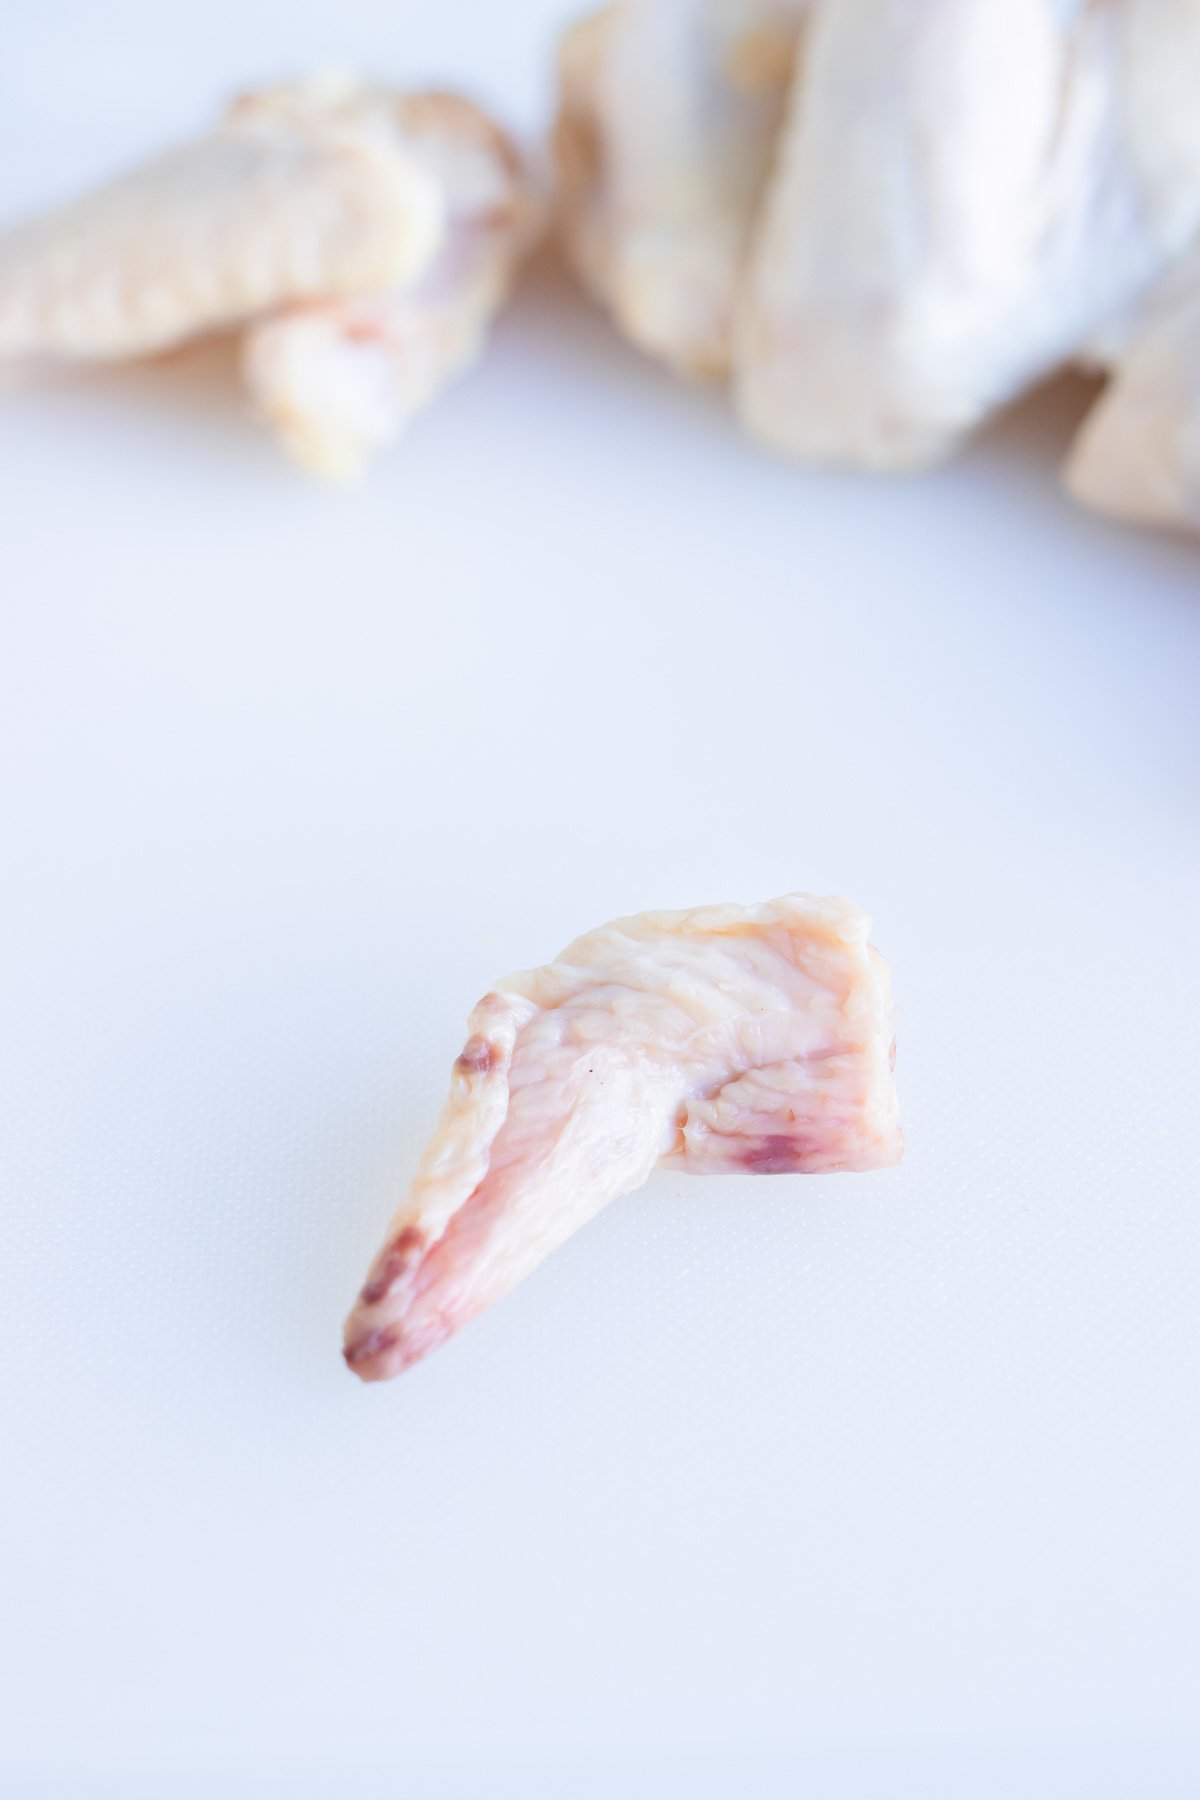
<point x="664" y="139"/>
<point x="364" y="237"/>
<point x="963" y="196"/>
<point x="296" y="195"/>
<point x="724" y="1039"/>
<point x="340" y="379"/>
<point x="1138" y="454"/>
<point x="960" y="197"/>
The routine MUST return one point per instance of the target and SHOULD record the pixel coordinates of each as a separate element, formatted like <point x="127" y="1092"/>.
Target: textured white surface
<point x="862" y="1486"/>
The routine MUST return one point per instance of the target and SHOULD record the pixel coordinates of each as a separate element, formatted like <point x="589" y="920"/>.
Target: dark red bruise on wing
<point x="385" y="1350"/>
<point x="776" y="1155"/>
<point x="478" y="1057"/>
<point x="393" y="1262"/>
<point x="366" y="1349"/>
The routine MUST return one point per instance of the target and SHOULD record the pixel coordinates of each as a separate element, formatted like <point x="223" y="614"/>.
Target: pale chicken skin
<point x="339" y="380"/>
<point x="1137" y="456"/>
<point x="964" y="195"/>
<point x="941" y="202"/>
<point x="666" y="129"/>
<point x="296" y="194"/>
<point x="362" y="238"/>
<point x="727" y="1039"/>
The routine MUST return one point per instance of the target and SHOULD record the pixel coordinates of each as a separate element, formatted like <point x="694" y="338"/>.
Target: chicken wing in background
<point x="927" y="206"/>
<point x="361" y="238"/>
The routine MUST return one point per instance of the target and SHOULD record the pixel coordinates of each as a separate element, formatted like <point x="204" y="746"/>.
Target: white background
<point x="854" y="1487"/>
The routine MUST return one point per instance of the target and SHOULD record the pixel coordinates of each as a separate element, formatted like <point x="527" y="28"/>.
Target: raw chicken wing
<point x="726" y="1039"/>
<point x="1138" y="453"/>
<point x="340" y="380"/>
<point x="296" y="195"/>
<point x="964" y="195"/>
<point x="669" y="112"/>
<point x="363" y="238"/>
<point x="902" y="216"/>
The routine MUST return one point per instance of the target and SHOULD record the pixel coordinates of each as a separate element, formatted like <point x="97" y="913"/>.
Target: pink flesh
<point x="726" y="1039"/>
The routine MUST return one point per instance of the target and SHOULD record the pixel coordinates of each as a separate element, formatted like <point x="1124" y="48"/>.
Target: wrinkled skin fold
<point x="727" y="1039"/>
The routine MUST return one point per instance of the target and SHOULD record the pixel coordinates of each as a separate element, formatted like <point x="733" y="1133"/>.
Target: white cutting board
<point x="855" y="1487"/>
